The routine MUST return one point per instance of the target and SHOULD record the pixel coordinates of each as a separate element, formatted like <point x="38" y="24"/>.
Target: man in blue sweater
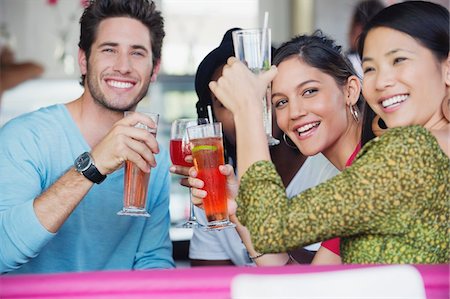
<point x="57" y="217"/>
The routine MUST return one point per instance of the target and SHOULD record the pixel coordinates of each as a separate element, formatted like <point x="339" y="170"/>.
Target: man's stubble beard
<point x="100" y="99"/>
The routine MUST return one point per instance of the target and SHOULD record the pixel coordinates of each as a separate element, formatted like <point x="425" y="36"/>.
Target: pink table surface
<point x="198" y="283"/>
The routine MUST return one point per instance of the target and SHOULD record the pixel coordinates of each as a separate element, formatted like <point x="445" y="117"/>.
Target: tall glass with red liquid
<point x="136" y="181"/>
<point x="179" y="149"/>
<point x="207" y="151"/>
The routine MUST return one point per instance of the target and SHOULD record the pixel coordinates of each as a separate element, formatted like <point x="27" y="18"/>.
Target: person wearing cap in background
<point x="362" y="13"/>
<point x="298" y="173"/>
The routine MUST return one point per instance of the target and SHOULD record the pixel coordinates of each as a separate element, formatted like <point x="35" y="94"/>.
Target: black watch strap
<point x="85" y="165"/>
<point x="93" y="174"/>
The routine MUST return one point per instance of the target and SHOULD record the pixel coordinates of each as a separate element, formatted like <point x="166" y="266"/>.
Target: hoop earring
<point x="289" y="144"/>
<point x="376" y="128"/>
<point x="354" y="112"/>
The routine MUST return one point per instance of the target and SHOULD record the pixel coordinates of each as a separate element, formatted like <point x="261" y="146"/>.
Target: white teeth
<point x="394" y="100"/>
<point x="118" y="84"/>
<point x="307" y="127"/>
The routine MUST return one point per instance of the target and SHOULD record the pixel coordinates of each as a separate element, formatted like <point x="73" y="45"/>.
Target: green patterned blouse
<point x="390" y="206"/>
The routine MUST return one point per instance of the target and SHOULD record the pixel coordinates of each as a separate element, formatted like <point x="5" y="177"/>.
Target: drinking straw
<point x="211" y="129"/>
<point x="266" y="20"/>
<point x="264" y="36"/>
<point x="210" y="116"/>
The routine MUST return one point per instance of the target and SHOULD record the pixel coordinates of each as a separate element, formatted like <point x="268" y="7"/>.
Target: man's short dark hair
<point x="141" y="10"/>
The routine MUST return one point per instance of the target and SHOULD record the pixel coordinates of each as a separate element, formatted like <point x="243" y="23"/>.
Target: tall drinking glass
<point x="207" y="150"/>
<point x="136" y="181"/>
<point x="179" y="149"/>
<point x="253" y="47"/>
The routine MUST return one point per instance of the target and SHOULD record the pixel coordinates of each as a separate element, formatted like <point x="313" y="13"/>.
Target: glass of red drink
<point x="179" y="149"/>
<point x="207" y="151"/>
<point x="136" y="181"/>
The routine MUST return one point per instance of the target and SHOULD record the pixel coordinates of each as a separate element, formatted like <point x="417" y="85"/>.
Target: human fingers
<point x="142" y="135"/>
<point x="238" y="89"/>
<point x="139" y="161"/>
<point x="185" y="182"/>
<point x="193" y="172"/>
<point x="226" y="169"/>
<point x="195" y="183"/>
<point x="134" y="119"/>
<point x="269" y="75"/>
<point x="110" y="155"/>
<point x="189" y="159"/>
<point x="232" y="181"/>
<point x="231" y="60"/>
<point x="125" y="143"/>
<point x="180" y="170"/>
<point x="197" y="196"/>
<point x="142" y="150"/>
<point x="233" y="73"/>
<point x="139" y="141"/>
<point x="144" y="127"/>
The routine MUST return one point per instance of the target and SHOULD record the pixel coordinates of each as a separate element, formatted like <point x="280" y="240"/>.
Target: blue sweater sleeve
<point x="22" y="235"/>
<point x="155" y="248"/>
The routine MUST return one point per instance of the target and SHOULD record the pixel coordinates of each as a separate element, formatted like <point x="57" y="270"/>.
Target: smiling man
<point x="56" y="217"/>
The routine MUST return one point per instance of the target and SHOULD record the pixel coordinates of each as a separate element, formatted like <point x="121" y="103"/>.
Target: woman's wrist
<point x="256" y="256"/>
<point x="248" y="116"/>
<point x="251" y="140"/>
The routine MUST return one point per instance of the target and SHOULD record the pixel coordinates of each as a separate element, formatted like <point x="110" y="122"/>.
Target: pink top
<point x="333" y="245"/>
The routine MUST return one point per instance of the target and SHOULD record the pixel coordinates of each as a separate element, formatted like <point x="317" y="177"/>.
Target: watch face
<point x="83" y="162"/>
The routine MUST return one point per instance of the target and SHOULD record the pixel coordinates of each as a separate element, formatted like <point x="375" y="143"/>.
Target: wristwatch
<point x="84" y="164"/>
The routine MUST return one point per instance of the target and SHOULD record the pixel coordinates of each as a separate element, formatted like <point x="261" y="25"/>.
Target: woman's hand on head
<point x="198" y="194"/>
<point x="239" y="89"/>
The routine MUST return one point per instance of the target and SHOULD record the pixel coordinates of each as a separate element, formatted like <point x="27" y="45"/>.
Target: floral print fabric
<point x="390" y="206"/>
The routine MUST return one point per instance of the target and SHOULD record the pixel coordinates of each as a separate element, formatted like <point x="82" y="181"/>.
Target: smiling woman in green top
<point x="391" y="205"/>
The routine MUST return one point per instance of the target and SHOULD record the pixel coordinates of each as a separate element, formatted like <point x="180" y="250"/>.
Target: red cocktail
<point x="136" y="181"/>
<point x="136" y="186"/>
<point x="178" y="152"/>
<point x="179" y="149"/>
<point x="207" y="151"/>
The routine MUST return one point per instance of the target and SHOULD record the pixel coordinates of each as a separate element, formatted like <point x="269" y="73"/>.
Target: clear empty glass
<point x="253" y="47"/>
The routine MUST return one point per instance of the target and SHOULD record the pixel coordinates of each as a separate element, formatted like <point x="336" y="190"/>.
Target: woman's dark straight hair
<point x="426" y="22"/>
<point x="321" y="52"/>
